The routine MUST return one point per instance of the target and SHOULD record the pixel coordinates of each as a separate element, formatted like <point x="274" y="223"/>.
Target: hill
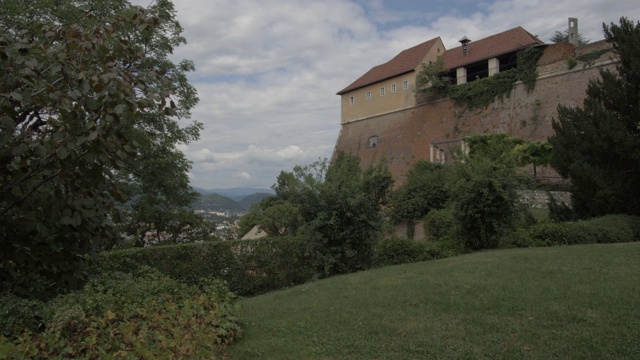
<point x="571" y="302"/>
<point x="217" y="202"/>
<point x="236" y="194"/>
<point x="252" y="199"/>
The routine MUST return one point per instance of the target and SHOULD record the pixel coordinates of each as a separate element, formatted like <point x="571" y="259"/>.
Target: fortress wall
<point x="406" y="136"/>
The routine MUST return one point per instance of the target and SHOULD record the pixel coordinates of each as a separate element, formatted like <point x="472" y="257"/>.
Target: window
<point x="373" y="141"/>
<point x="393" y="88"/>
<point x="382" y="91"/>
<point x="368" y="95"/>
<point x="352" y="100"/>
<point x="405" y="84"/>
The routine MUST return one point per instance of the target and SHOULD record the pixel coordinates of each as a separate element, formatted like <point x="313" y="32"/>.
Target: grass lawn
<point x="574" y="302"/>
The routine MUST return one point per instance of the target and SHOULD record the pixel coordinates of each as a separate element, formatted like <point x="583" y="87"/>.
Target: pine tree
<point x="597" y="146"/>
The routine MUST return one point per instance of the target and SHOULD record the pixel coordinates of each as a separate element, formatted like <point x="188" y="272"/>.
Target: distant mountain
<point x="219" y="202"/>
<point x="252" y="199"/>
<point x="216" y="202"/>
<point x="236" y="194"/>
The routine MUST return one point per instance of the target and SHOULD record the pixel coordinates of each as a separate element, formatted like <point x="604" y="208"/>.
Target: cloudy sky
<point x="267" y="70"/>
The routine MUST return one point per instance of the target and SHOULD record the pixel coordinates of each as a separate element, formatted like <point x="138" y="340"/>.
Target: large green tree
<point x="86" y="87"/>
<point x="337" y="207"/>
<point x="597" y="145"/>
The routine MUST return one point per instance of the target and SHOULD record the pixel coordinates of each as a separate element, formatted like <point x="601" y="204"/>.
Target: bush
<point x="249" y="267"/>
<point x="399" y="250"/>
<point x="19" y="314"/>
<point x="424" y="191"/>
<point x="486" y="201"/>
<point x="606" y="229"/>
<point x="143" y="314"/>
<point x="559" y="211"/>
<point x="440" y="224"/>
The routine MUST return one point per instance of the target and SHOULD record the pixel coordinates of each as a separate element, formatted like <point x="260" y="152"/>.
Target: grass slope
<point x="541" y="303"/>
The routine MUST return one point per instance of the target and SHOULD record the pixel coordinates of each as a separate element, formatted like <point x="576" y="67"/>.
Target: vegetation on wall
<point x="479" y="93"/>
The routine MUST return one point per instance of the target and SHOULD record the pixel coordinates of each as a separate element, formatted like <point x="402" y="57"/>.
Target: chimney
<point x="572" y="32"/>
<point x="464" y="41"/>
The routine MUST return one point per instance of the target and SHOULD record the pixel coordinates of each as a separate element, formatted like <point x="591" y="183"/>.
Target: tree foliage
<point x="426" y="188"/>
<point x="484" y="194"/>
<point x="85" y="88"/>
<point x="560" y="36"/>
<point x="486" y="200"/>
<point x="433" y="81"/>
<point x="337" y="207"/>
<point x="597" y="145"/>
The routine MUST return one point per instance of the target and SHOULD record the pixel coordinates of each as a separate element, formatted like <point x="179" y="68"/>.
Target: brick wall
<point x="406" y="136"/>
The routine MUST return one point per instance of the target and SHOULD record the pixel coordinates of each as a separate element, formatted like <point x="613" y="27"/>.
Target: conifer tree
<point x="597" y="145"/>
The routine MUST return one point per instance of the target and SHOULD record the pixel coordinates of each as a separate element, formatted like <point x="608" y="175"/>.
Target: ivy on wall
<point x="480" y="93"/>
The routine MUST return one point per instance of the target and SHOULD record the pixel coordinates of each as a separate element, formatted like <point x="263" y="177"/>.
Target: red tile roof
<point x="408" y="60"/>
<point x="490" y="47"/>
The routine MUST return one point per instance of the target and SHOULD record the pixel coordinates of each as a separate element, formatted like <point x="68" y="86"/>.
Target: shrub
<point x="399" y="250"/>
<point x="606" y="229"/>
<point x="143" y="314"/>
<point x="424" y="191"/>
<point x="486" y="201"/>
<point x="19" y="314"/>
<point x="440" y="224"/>
<point x="249" y="267"/>
<point x="559" y="211"/>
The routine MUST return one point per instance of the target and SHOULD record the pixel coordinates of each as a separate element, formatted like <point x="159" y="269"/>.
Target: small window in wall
<point x="352" y="100"/>
<point x="405" y="84"/>
<point x="393" y="88"/>
<point x="382" y="91"/>
<point x="368" y="95"/>
<point x="373" y="141"/>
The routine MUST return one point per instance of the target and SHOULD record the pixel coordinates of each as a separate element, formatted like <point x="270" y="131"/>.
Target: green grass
<point x="576" y="302"/>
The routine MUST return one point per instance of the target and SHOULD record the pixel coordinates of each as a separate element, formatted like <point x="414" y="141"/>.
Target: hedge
<point x="606" y="229"/>
<point x="249" y="267"/>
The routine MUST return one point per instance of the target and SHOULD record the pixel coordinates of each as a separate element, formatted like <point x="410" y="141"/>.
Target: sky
<point x="267" y="71"/>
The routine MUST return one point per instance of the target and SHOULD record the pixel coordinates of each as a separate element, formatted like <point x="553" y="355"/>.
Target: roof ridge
<point x="403" y="62"/>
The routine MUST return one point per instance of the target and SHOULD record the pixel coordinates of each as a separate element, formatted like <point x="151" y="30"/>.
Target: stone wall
<point x="539" y="199"/>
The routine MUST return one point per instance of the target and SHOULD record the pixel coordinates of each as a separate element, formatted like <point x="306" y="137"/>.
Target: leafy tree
<point x="486" y="201"/>
<point x="597" y="145"/>
<point x="433" y="80"/>
<point x="485" y="191"/>
<point x="426" y="188"/>
<point x="534" y="153"/>
<point x="85" y="88"/>
<point x="559" y="37"/>
<point x="337" y="207"/>
<point x="493" y="146"/>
